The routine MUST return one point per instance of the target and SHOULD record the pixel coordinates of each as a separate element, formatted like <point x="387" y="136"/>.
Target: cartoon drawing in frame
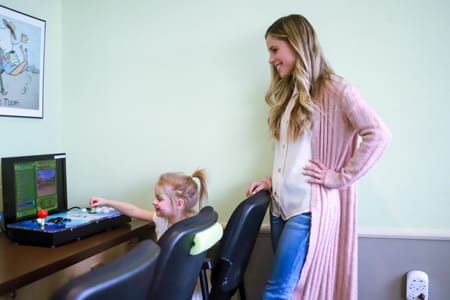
<point x="21" y="64"/>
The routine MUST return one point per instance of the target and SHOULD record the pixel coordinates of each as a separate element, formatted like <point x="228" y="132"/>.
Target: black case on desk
<point x="53" y="239"/>
<point x="41" y="237"/>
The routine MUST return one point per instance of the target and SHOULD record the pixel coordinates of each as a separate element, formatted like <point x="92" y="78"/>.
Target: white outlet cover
<point x="416" y="285"/>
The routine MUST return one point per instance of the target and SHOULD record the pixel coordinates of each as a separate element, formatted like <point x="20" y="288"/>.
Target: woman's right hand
<point x="259" y="185"/>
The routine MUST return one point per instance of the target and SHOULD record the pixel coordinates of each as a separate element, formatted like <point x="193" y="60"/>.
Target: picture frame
<point x="22" y="44"/>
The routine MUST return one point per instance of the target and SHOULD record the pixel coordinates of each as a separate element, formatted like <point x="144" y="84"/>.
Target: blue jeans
<point x="290" y="241"/>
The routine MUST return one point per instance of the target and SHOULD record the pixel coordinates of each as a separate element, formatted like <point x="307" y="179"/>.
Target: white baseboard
<point x="407" y="233"/>
<point x="393" y="233"/>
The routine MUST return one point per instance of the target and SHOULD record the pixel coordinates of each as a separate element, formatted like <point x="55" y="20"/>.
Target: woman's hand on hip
<point x="316" y="171"/>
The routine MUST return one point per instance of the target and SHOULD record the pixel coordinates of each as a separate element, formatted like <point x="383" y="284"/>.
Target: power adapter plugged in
<point x="416" y="285"/>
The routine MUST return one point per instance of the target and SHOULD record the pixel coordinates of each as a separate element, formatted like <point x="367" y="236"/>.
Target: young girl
<point x="317" y="119"/>
<point x="176" y="195"/>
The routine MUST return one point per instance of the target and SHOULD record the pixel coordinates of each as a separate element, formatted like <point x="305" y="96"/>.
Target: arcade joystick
<point x="92" y="209"/>
<point x="42" y="214"/>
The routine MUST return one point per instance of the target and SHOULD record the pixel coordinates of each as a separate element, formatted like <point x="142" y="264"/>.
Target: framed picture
<point x="22" y="41"/>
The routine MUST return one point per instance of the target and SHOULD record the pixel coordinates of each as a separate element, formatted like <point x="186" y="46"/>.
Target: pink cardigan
<point x="330" y="270"/>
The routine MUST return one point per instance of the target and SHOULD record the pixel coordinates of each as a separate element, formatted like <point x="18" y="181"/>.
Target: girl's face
<point x="281" y="55"/>
<point x="163" y="204"/>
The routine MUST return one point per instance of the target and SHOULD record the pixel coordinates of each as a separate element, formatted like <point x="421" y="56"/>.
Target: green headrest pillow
<point x="207" y="238"/>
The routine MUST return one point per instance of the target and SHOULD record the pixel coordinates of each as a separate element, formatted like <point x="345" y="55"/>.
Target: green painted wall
<point x="136" y="88"/>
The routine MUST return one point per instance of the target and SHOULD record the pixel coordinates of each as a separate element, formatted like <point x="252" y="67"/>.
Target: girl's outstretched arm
<point x="124" y="207"/>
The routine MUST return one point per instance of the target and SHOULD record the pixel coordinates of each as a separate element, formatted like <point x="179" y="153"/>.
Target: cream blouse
<point x="290" y="191"/>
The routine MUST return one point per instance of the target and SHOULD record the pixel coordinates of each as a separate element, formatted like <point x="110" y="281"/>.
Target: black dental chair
<point x="127" y="277"/>
<point x="233" y="251"/>
<point x="183" y="249"/>
<point x="166" y="270"/>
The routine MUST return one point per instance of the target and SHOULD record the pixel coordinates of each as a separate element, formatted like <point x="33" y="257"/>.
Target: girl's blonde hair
<point x="311" y="69"/>
<point x="179" y="185"/>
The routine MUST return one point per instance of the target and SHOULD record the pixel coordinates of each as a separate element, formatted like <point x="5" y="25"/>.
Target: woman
<point x="317" y="120"/>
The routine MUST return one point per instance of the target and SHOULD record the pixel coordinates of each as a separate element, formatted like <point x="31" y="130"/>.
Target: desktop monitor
<point x="31" y="183"/>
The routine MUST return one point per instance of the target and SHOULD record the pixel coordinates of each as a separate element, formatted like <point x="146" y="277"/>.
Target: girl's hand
<point x="316" y="171"/>
<point x="97" y="201"/>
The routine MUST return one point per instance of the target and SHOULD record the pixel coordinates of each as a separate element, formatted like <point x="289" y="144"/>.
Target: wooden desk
<point x="21" y="265"/>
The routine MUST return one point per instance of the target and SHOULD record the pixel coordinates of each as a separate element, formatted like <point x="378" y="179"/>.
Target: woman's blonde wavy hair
<point x="311" y="69"/>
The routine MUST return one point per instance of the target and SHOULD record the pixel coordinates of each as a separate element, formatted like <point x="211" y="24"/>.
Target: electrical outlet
<point x="416" y="285"/>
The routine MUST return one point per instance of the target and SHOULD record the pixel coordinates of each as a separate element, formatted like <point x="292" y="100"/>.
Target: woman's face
<point x="281" y="55"/>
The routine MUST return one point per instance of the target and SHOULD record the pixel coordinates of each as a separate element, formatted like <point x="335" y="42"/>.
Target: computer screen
<point x="31" y="183"/>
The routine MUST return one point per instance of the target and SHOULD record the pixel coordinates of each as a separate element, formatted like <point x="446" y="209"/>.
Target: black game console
<point x="37" y="183"/>
<point x="61" y="228"/>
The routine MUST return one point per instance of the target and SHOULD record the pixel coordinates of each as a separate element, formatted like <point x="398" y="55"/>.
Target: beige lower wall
<point x="259" y="266"/>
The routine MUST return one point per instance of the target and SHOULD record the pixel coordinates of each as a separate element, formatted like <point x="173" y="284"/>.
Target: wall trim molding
<point x="409" y="233"/>
<point x="393" y="233"/>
